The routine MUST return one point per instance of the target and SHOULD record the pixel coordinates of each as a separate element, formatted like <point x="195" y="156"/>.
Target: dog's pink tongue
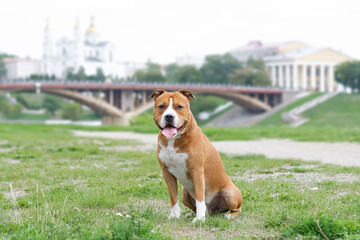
<point x="169" y="131"/>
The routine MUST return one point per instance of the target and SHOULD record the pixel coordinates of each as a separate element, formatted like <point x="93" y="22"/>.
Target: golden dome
<point x="77" y="25"/>
<point x="91" y="29"/>
<point x="47" y="27"/>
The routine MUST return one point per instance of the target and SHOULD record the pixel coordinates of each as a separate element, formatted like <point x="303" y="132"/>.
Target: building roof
<point x="93" y="59"/>
<point x="294" y="54"/>
<point x="98" y="44"/>
<point x="304" y="52"/>
<point x="257" y="45"/>
<point x="9" y="60"/>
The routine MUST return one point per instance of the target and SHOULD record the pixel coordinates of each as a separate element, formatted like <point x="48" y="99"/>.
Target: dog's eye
<point x="162" y="106"/>
<point x="179" y="107"/>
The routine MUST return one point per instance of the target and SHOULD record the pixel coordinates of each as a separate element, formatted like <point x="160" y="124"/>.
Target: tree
<point x="71" y="111"/>
<point x="81" y="74"/>
<point x="153" y="66"/>
<point x="100" y="76"/>
<point x="189" y="74"/>
<point x="51" y="104"/>
<point x="148" y="76"/>
<point x="217" y="68"/>
<point x="171" y="73"/>
<point x="254" y="74"/>
<point x="70" y="73"/>
<point x="348" y="74"/>
<point x="3" y="70"/>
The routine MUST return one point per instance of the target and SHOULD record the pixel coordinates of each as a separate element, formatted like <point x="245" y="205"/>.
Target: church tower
<point x="78" y="46"/>
<point x="48" y="53"/>
<point x="92" y="36"/>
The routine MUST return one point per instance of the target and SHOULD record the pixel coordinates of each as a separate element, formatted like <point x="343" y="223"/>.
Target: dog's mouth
<point x="169" y="130"/>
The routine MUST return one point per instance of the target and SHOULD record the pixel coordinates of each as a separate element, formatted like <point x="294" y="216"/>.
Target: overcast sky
<point x="160" y="30"/>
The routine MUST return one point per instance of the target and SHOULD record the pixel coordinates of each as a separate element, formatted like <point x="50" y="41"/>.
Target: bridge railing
<point x="125" y="83"/>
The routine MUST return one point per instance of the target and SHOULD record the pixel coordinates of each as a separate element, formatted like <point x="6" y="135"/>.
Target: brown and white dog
<point x="186" y="154"/>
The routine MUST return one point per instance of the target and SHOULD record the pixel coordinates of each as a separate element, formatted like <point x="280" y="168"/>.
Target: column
<point x="322" y="78"/>
<point x="304" y="77"/>
<point x="144" y="97"/>
<point x="287" y="76"/>
<point x="313" y="77"/>
<point x="266" y="98"/>
<point x="111" y="97"/>
<point x="331" y="78"/>
<point x="281" y="77"/>
<point x="273" y="75"/>
<point x="295" y="76"/>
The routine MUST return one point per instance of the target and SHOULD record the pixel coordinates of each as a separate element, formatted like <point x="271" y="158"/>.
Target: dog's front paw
<point x="175" y="211"/>
<point x="199" y="219"/>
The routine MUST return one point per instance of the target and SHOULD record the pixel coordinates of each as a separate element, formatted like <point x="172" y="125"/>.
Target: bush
<point x="51" y="104"/>
<point x="72" y="111"/>
<point x="205" y="104"/>
<point x="11" y="111"/>
<point x="20" y="99"/>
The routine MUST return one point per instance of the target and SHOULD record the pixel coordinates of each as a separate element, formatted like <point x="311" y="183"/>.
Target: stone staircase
<point x="295" y="118"/>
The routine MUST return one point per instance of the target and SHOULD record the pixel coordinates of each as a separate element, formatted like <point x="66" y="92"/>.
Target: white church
<point x="83" y="50"/>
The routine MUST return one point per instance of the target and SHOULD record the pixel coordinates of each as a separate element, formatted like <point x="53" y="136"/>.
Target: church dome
<point x="91" y="29"/>
<point x="47" y="27"/>
<point x="77" y="25"/>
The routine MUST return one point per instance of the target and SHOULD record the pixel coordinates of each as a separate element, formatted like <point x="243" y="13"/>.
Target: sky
<point x="161" y="30"/>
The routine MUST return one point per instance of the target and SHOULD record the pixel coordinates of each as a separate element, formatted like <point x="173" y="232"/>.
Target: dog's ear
<point x="187" y="94"/>
<point x="156" y="93"/>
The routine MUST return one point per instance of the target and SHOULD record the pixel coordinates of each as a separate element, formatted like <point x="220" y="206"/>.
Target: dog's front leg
<point x="171" y="183"/>
<point x="199" y="185"/>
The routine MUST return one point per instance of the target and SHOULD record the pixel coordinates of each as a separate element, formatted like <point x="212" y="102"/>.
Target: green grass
<point x="75" y="188"/>
<point x="145" y="125"/>
<point x="342" y="110"/>
<point x="275" y="119"/>
<point x="31" y="116"/>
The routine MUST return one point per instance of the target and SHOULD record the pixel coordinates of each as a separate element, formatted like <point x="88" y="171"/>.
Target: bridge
<point x="118" y="102"/>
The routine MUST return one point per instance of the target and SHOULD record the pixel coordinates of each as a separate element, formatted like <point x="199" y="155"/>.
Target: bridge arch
<point x="124" y="100"/>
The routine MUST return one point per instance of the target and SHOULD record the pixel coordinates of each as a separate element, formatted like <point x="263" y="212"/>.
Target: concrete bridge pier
<point x="123" y="120"/>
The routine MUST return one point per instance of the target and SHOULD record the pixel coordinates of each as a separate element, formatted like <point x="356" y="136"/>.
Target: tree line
<point x="348" y="74"/>
<point x="217" y="69"/>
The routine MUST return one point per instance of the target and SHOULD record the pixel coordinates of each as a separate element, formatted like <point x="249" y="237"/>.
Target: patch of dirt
<point x="130" y="148"/>
<point x="4" y="142"/>
<point x="342" y="153"/>
<point x="4" y="150"/>
<point x="76" y="167"/>
<point x="100" y="166"/>
<point x="12" y="161"/>
<point x="17" y="193"/>
<point x="307" y="177"/>
<point x="131" y="163"/>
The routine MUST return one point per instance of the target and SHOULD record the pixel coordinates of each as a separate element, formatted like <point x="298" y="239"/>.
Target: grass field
<point x="275" y="119"/>
<point x="56" y="186"/>
<point x="342" y="110"/>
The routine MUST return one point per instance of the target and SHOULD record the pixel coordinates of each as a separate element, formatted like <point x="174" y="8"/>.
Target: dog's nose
<point x="169" y="118"/>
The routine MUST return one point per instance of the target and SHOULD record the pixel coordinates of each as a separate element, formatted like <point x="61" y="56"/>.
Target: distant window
<point x="317" y="72"/>
<point x="97" y="53"/>
<point x="64" y="51"/>
<point x="110" y="57"/>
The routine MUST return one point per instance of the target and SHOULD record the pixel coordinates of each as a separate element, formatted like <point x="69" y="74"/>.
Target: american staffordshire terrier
<point x="186" y="154"/>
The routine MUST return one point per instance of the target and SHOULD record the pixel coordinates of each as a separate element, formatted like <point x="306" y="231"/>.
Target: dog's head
<point x="172" y="111"/>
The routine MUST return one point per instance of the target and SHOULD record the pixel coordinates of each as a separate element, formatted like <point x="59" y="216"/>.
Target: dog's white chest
<point x="176" y="163"/>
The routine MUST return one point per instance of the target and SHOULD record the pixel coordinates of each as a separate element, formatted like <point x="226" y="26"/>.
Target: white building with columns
<point x="296" y="65"/>
<point x="306" y="69"/>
